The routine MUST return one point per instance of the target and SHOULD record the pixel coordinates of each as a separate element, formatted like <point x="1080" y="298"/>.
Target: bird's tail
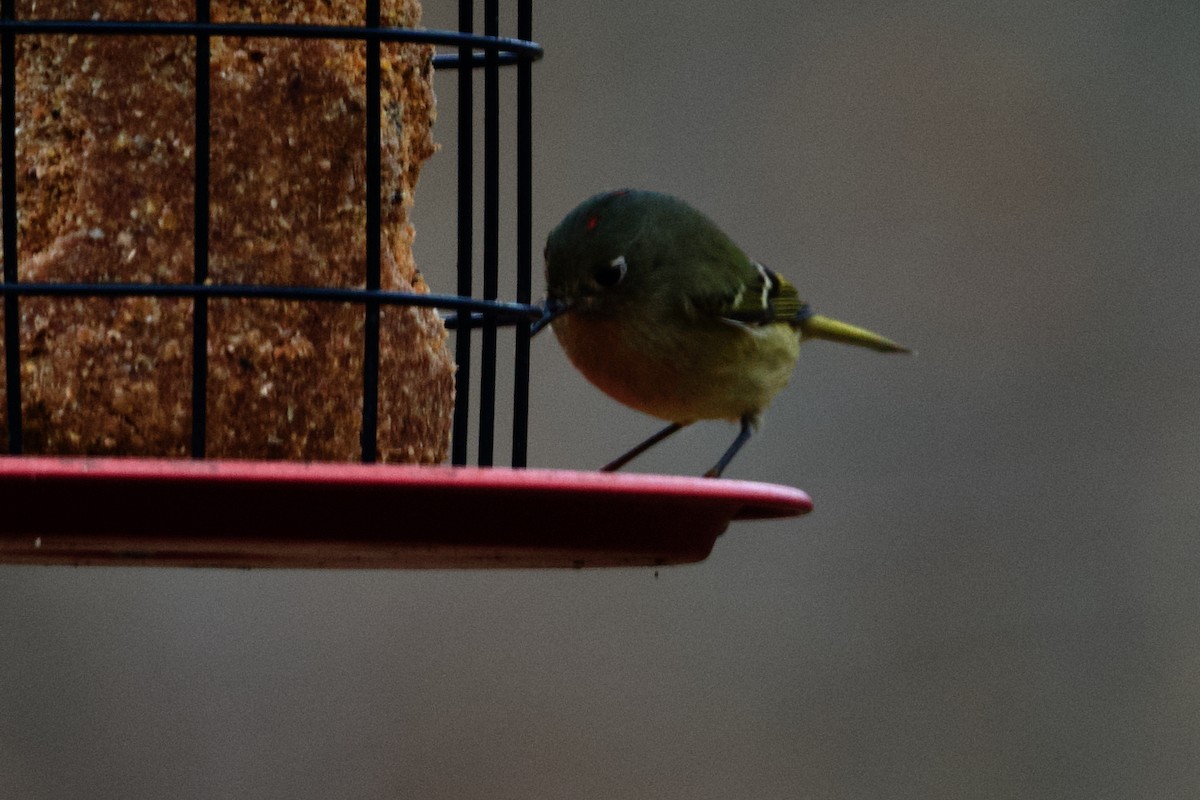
<point x="819" y="327"/>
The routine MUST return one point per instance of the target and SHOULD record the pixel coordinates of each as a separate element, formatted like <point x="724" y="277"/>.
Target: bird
<point x="658" y="308"/>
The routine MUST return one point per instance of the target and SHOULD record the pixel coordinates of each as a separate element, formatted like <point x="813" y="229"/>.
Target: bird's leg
<point x="742" y="437"/>
<point x="621" y="461"/>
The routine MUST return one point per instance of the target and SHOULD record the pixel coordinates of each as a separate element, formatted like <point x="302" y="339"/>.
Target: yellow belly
<point x="682" y="374"/>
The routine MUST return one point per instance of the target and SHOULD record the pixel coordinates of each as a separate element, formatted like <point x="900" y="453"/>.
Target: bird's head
<point x="587" y="258"/>
<point x="620" y="252"/>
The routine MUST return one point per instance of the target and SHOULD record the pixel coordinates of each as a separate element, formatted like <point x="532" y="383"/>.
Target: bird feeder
<point x="217" y="348"/>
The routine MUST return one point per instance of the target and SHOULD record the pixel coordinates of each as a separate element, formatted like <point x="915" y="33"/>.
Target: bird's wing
<point x="763" y="296"/>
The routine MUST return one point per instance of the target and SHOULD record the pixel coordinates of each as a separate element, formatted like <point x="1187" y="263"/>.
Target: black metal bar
<point x="8" y="195"/>
<point x="520" y="423"/>
<point x="505" y="59"/>
<point x="370" y="414"/>
<point x="476" y="319"/>
<point x="502" y="310"/>
<point x="512" y="50"/>
<point x="491" y="237"/>
<point x="200" y="239"/>
<point x="466" y="211"/>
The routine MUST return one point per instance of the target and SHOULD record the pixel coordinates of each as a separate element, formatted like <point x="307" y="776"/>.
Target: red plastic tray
<point x="126" y="511"/>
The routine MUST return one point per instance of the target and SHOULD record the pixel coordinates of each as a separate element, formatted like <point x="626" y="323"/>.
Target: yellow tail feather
<point x="819" y="327"/>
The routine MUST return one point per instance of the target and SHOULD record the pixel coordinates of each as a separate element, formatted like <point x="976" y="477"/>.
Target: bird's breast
<point x="681" y="372"/>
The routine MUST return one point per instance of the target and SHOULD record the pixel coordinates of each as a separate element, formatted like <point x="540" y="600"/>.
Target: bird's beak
<point x="552" y="308"/>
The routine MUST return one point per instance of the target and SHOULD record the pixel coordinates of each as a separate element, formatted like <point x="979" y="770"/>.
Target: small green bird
<point x="659" y="309"/>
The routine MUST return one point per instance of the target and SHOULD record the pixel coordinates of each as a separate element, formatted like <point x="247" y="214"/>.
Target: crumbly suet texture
<point x="106" y="159"/>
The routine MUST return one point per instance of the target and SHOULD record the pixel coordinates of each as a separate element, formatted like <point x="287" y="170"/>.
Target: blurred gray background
<point x="996" y="596"/>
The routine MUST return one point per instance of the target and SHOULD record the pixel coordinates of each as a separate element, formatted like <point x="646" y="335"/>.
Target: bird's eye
<point x="612" y="273"/>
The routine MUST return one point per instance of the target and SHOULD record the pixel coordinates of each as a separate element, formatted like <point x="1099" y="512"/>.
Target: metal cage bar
<point x="8" y="195"/>
<point x="511" y="51"/>
<point x="524" y="254"/>
<point x="471" y="51"/>
<point x="491" y="237"/>
<point x="466" y="238"/>
<point x="370" y="412"/>
<point x="200" y="238"/>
